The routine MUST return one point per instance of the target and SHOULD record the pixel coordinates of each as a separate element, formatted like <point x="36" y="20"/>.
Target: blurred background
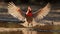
<point x="52" y="20"/>
<point x="30" y="1"/>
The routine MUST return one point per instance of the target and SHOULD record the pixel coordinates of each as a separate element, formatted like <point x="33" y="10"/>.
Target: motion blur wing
<point x="42" y="12"/>
<point x="15" y="11"/>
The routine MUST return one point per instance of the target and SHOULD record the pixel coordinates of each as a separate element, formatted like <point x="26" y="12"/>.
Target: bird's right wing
<point x="41" y="13"/>
<point x="15" y="11"/>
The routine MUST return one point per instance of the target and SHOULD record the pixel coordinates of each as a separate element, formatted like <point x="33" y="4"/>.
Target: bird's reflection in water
<point x="29" y="31"/>
<point x="34" y="30"/>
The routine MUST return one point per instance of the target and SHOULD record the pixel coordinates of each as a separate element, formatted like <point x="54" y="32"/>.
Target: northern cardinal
<point x="28" y="17"/>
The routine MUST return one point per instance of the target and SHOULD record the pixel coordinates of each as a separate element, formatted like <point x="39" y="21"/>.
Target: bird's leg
<point x="28" y="24"/>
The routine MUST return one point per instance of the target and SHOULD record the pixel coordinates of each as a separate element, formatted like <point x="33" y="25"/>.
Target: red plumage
<point x="29" y="14"/>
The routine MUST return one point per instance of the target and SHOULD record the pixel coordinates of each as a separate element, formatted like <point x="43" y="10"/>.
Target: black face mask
<point x="30" y="11"/>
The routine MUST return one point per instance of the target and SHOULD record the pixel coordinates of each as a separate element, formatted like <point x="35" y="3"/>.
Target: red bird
<point x="29" y="17"/>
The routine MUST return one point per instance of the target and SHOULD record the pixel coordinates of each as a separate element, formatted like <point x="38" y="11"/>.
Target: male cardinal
<point x="29" y="17"/>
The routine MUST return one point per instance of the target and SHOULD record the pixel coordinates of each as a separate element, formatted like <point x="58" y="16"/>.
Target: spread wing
<point x="42" y="12"/>
<point x="15" y="11"/>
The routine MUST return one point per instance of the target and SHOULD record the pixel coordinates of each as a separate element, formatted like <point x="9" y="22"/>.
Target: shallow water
<point x="47" y="29"/>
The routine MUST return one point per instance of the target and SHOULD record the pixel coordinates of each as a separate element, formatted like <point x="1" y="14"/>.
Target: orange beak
<point x="29" y="8"/>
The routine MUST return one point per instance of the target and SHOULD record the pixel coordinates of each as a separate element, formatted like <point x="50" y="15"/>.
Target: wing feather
<point x="42" y="12"/>
<point x="15" y="11"/>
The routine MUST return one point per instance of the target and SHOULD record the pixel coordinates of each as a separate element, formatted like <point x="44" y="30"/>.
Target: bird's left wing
<point x="15" y="11"/>
<point x="42" y="12"/>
